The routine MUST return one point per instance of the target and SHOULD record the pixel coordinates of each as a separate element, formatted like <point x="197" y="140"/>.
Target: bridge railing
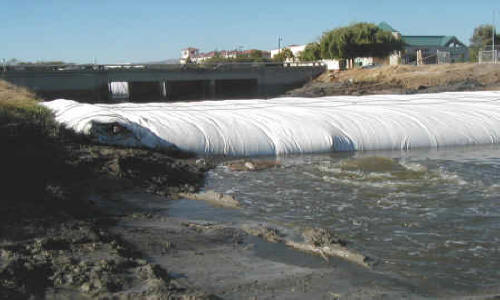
<point x="226" y="66"/>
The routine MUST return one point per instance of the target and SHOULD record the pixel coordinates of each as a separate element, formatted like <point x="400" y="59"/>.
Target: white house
<point x="331" y="64"/>
<point x="190" y="53"/>
<point x="196" y="56"/>
<point x="296" y="50"/>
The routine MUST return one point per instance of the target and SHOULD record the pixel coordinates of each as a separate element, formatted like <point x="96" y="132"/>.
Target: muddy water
<point x="431" y="218"/>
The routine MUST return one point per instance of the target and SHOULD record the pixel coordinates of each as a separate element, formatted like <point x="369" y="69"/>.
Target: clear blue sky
<point x="140" y="31"/>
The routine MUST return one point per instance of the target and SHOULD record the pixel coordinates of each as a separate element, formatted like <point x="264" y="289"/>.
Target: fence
<point x="489" y="57"/>
<point x="216" y="66"/>
<point x="443" y="57"/>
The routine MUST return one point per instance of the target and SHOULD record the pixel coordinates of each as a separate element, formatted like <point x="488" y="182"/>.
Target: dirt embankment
<point x="404" y="79"/>
<point x="55" y="225"/>
<point x="54" y="238"/>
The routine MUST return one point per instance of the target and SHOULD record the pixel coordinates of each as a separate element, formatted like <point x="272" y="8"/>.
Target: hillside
<point x="404" y="79"/>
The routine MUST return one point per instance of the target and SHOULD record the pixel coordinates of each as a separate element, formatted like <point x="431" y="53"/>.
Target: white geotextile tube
<point x="295" y="125"/>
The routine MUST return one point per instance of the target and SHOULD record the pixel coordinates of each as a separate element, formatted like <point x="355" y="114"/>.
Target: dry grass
<point x="14" y="96"/>
<point x="412" y="77"/>
<point x="20" y="105"/>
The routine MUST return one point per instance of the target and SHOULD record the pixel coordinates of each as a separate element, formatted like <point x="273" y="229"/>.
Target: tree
<point x="482" y="39"/>
<point x="358" y="40"/>
<point x="312" y="52"/>
<point x="283" y="55"/>
<point x="12" y="62"/>
<point x="42" y="63"/>
<point x="217" y="58"/>
<point x="252" y="56"/>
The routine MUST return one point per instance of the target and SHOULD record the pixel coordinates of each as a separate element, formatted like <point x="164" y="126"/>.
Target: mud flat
<point x="232" y="261"/>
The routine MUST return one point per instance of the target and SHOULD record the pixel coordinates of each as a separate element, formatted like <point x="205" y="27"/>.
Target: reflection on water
<point x="430" y="217"/>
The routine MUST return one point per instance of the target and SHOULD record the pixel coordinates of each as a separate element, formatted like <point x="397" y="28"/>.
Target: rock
<point x="85" y="287"/>
<point x="319" y="241"/>
<point x="321" y="237"/>
<point x="113" y="167"/>
<point x="201" y="162"/>
<point x="5" y="254"/>
<point x="325" y="243"/>
<point x="267" y="233"/>
<point x="251" y="165"/>
<point x="149" y="272"/>
<point x="213" y="197"/>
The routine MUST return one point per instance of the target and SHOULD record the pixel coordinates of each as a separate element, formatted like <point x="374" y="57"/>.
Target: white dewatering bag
<point x="293" y="125"/>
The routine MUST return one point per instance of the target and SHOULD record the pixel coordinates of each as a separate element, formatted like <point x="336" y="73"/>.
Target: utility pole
<point x="280" y="39"/>
<point x="4" y="65"/>
<point x="493" y="39"/>
<point x="493" y="33"/>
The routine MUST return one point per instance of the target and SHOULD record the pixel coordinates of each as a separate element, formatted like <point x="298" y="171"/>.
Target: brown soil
<point x="58" y="206"/>
<point x="404" y="79"/>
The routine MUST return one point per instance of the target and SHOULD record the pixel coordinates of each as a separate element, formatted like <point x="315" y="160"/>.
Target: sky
<point x="110" y="31"/>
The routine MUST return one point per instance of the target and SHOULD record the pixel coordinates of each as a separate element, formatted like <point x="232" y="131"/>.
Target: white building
<point x="296" y="50"/>
<point x="331" y="64"/>
<point x="195" y="56"/>
<point x="190" y="53"/>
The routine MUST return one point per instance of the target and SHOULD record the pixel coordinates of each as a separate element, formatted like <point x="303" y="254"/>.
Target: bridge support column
<point x="211" y="89"/>
<point x="163" y="89"/>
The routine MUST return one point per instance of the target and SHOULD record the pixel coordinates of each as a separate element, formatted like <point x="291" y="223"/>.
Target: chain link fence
<point x="489" y="57"/>
<point x="443" y="57"/>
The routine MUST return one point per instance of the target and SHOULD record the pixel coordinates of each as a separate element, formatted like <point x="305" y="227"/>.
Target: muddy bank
<point x="403" y="80"/>
<point x="98" y="226"/>
<point x="55" y="217"/>
<point x="230" y="261"/>
<point x="77" y="259"/>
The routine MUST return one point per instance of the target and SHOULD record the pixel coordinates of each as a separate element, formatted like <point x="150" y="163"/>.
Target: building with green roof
<point x="430" y="45"/>
<point x="386" y="27"/>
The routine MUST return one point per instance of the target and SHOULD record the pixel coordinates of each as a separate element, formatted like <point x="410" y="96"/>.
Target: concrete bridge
<point x="97" y="83"/>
